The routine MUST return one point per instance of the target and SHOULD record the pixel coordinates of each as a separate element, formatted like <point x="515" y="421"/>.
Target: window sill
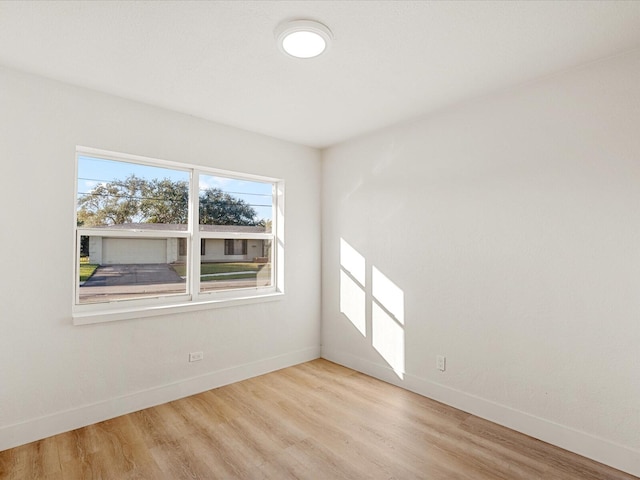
<point x="112" y="315"/>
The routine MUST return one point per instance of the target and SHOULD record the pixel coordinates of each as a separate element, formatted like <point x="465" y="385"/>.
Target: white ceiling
<point x="390" y="60"/>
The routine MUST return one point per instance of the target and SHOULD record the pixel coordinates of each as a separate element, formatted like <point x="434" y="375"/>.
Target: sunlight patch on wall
<point x="387" y="321"/>
<point x="388" y="294"/>
<point x="353" y="262"/>
<point x="352" y="284"/>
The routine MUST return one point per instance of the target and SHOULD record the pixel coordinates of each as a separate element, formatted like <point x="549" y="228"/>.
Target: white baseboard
<point x="59" y="422"/>
<point x="596" y="448"/>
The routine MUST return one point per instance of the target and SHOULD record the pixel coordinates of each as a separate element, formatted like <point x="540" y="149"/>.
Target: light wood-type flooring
<point x="315" y="421"/>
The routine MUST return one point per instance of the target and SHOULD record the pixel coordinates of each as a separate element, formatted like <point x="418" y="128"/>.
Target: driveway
<point x="133" y="274"/>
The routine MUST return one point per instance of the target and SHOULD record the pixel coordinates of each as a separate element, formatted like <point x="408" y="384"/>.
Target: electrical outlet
<point x="441" y="362"/>
<point x="196" y="356"/>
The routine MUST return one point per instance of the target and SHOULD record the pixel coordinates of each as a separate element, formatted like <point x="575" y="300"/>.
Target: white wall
<point x="55" y="376"/>
<point x="503" y="233"/>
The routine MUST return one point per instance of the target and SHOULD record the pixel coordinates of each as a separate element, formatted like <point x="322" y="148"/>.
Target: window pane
<point x="114" y="268"/>
<point x="235" y="263"/>
<point x="128" y="194"/>
<point x="226" y="201"/>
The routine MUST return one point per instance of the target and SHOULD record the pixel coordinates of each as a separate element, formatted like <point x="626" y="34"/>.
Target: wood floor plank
<point x="146" y="471"/>
<point x="388" y="424"/>
<point x="154" y="428"/>
<point x="179" y="460"/>
<point x="264" y="416"/>
<point x="557" y="463"/>
<point x="36" y="460"/>
<point x="317" y="420"/>
<point x="312" y="409"/>
<point x="280" y="467"/>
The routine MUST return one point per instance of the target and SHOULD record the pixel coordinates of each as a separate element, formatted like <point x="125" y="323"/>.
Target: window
<point x="139" y="221"/>
<point x="235" y="247"/>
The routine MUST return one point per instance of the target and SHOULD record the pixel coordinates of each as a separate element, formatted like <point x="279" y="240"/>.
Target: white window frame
<point x="193" y="299"/>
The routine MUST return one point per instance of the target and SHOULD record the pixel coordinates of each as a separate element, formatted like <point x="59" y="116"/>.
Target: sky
<point x="93" y="171"/>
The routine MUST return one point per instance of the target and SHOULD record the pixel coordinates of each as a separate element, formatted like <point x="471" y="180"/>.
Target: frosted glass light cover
<point x="304" y="44"/>
<point x="303" y="38"/>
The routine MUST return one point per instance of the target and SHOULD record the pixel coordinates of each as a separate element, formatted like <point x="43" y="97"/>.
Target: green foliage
<point x="220" y="208"/>
<point x="112" y="203"/>
<point x="164" y="201"/>
<point x="84" y="246"/>
<point x="137" y="200"/>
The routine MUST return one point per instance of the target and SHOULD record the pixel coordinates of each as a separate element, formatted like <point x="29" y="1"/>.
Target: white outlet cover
<point x="441" y="363"/>
<point x="196" y="356"/>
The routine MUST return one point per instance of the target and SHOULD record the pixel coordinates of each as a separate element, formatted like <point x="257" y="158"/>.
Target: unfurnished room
<point x="320" y="240"/>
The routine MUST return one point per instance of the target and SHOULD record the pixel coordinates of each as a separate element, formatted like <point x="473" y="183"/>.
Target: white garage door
<point x="134" y="250"/>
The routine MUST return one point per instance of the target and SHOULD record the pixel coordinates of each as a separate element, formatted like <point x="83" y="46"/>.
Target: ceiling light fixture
<point x="303" y="38"/>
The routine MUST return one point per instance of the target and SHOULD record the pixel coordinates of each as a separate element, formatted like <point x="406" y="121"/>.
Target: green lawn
<point x="86" y="270"/>
<point x="209" y="268"/>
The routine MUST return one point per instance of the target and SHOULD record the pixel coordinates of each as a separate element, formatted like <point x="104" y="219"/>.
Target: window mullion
<point x="76" y="276"/>
<point x="194" y="230"/>
<point x="278" y="240"/>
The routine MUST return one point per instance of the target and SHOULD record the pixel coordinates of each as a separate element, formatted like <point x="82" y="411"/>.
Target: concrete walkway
<point x="133" y="274"/>
<point x="127" y="281"/>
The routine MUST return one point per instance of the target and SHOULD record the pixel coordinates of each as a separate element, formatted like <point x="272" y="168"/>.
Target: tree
<point x="164" y="201"/>
<point x="220" y="208"/>
<point x="111" y="203"/>
<point x="138" y="200"/>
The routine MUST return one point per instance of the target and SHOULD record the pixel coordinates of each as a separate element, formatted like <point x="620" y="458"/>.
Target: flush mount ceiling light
<point x="303" y="38"/>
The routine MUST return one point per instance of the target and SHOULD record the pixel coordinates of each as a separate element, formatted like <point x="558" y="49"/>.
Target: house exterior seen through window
<point x="151" y="232"/>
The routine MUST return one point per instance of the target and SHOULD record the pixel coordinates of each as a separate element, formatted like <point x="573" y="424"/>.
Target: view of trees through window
<point x="166" y="201"/>
<point x="132" y="220"/>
